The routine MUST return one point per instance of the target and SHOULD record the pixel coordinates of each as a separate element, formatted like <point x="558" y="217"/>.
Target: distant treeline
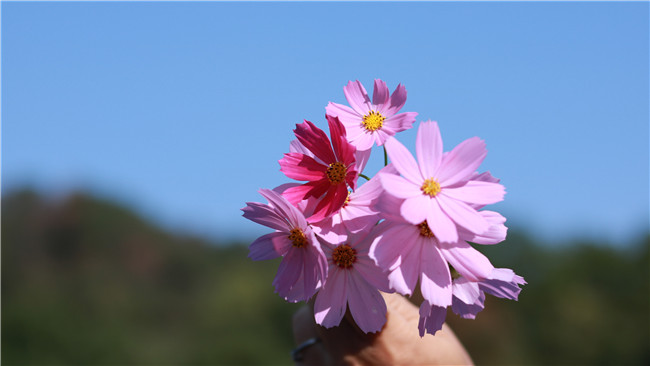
<point x="85" y="281"/>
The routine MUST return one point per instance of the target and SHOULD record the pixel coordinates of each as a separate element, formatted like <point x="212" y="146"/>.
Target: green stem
<point x="385" y="156"/>
<point x="363" y="176"/>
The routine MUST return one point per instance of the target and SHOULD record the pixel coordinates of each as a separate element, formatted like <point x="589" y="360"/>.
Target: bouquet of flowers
<point x="344" y="242"/>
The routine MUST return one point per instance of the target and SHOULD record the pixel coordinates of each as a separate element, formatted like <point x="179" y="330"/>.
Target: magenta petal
<point x="269" y="246"/>
<point x="380" y="94"/>
<point x="463" y="215"/>
<point x="357" y="97"/>
<point x="331" y="301"/>
<point x="435" y="282"/>
<point x="428" y="146"/>
<point x="461" y="163"/>
<point x="403" y="161"/>
<point x="433" y="321"/>
<point x="468" y="261"/>
<point x="301" y="167"/>
<point x="476" y="192"/>
<point x="315" y="140"/>
<point x="366" y="304"/>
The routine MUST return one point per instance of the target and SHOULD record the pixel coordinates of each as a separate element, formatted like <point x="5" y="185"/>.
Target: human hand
<point x="398" y="343"/>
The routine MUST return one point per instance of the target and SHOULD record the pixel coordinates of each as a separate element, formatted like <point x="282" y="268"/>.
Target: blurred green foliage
<point x="86" y="281"/>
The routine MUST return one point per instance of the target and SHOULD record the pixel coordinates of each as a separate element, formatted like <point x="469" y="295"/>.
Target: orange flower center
<point x="344" y="256"/>
<point x="373" y="121"/>
<point x="425" y="230"/>
<point x="430" y="187"/>
<point x="297" y="237"/>
<point x="336" y="172"/>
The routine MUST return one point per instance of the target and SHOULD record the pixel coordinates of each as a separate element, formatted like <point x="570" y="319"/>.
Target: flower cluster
<point x="410" y="224"/>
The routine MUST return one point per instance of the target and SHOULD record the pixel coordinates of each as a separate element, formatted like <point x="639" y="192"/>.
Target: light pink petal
<point x="331" y="301"/>
<point x="476" y="192"/>
<point x="285" y="208"/>
<point x="380" y="95"/>
<point x="393" y="240"/>
<point x="403" y="161"/>
<point x="302" y="167"/>
<point x="289" y="272"/>
<point x="357" y="97"/>
<point x="265" y="215"/>
<point x="485" y="177"/>
<point x="460" y="163"/>
<point x="410" y="268"/>
<point x="468" y="310"/>
<point x="346" y="114"/>
<point x="400" y="122"/>
<point x="372" y="274"/>
<point x="397" y="101"/>
<point x="428" y="146"/>
<point x="362" y="157"/>
<point x="466" y="291"/>
<point x="416" y="209"/>
<point x="366" y="304"/>
<point x="398" y="186"/>
<point x="433" y="321"/>
<point x="269" y="246"/>
<point x="469" y="262"/>
<point x="442" y="226"/>
<point x="435" y="282"/>
<point x="363" y="141"/>
<point x="495" y="234"/>
<point x="463" y="215"/>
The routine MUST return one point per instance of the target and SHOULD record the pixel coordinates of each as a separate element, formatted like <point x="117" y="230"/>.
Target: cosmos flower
<point x="373" y="122"/>
<point x="304" y="266"/>
<point x="438" y="188"/>
<point x="353" y="281"/>
<point x="329" y="169"/>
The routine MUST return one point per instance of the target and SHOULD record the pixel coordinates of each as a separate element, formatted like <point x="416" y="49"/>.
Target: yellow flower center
<point x="344" y="256"/>
<point x="425" y="230"/>
<point x="336" y="172"/>
<point x="373" y="121"/>
<point x="430" y="187"/>
<point x="297" y="237"/>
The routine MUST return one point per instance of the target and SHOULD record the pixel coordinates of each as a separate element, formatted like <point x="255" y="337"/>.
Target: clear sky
<point x="182" y="110"/>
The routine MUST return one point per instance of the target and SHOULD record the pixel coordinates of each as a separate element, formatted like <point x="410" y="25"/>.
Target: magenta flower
<point x="372" y="122"/>
<point x="329" y="172"/>
<point x="353" y="281"/>
<point x="304" y="266"/>
<point x="438" y="188"/>
<point x="469" y="298"/>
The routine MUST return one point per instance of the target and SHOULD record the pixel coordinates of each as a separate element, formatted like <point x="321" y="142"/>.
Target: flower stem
<point x="364" y="176"/>
<point x="385" y="156"/>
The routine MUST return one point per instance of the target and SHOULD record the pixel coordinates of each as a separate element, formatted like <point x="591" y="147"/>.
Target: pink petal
<point x="403" y="161"/>
<point x="459" y="164"/>
<point x="331" y="301"/>
<point x="265" y="215"/>
<point x="366" y="304"/>
<point x="380" y="95"/>
<point x="416" y="209"/>
<point x="428" y="147"/>
<point x="466" y="291"/>
<point x="289" y="272"/>
<point x="346" y="114"/>
<point x="269" y="246"/>
<point x="362" y="157"/>
<point x="285" y="208"/>
<point x="440" y="224"/>
<point x="433" y="321"/>
<point x="401" y="122"/>
<point x="363" y="141"/>
<point x="393" y="240"/>
<point x="463" y="215"/>
<point x="399" y="187"/>
<point x="476" y="192"/>
<point x="372" y="274"/>
<point x="469" y="262"/>
<point x="357" y="97"/>
<point x="496" y="233"/>
<point x="302" y="167"/>
<point x="410" y="267"/>
<point x="397" y="101"/>
<point x="435" y="282"/>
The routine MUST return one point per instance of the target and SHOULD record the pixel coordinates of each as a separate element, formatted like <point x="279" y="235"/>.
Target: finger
<point x="304" y="329"/>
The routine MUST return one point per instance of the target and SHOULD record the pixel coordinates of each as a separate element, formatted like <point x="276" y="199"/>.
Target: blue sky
<point x="181" y="110"/>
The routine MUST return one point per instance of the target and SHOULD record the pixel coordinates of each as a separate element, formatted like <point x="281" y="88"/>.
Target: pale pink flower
<point x="303" y="267"/>
<point x="329" y="171"/>
<point x="373" y="122"/>
<point x="438" y="188"/>
<point x="353" y="282"/>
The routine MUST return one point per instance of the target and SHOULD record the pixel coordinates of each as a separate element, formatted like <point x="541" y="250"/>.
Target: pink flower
<point x="469" y="298"/>
<point x="369" y="122"/>
<point x="353" y="281"/>
<point x="303" y="265"/>
<point x="440" y="189"/>
<point x="328" y="171"/>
